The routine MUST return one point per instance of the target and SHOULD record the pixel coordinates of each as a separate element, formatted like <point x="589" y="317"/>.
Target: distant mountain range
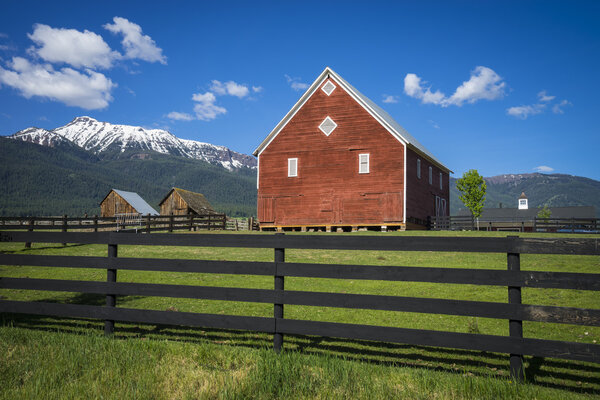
<point x="108" y="140"/>
<point x="553" y="190"/>
<point x="71" y="168"/>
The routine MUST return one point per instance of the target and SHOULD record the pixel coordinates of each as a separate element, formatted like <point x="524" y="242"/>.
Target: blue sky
<point x="502" y="87"/>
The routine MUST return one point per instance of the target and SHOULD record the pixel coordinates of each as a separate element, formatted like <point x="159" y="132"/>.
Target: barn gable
<point x="373" y="109"/>
<point x="133" y="203"/>
<point x="187" y="202"/>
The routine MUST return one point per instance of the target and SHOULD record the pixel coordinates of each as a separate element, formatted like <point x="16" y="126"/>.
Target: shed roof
<point x="377" y="112"/>
<point x="491" y="214"/>
<point x="136" y="202"/>
<point x="195" y="201"/>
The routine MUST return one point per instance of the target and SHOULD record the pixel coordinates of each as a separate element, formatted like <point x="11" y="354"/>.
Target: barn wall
<point x="420" y="195"/>
<point x="113" y="204"/>
<point x="329" y="189"/>
<point x="175" y="204"/>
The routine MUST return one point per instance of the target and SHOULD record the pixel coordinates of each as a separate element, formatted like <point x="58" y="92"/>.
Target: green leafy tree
<point x="544" y="213"/>
<point x="473" y="188"/>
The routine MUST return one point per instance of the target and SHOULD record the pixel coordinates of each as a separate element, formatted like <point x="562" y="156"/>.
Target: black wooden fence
<point x="512" y="278"/>
<point x="554" y="225"/>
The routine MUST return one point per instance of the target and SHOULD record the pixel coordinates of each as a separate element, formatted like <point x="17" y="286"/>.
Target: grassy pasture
<point x="223" y="364"/>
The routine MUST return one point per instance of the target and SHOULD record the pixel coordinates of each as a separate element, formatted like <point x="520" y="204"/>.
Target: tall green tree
<point x="473" y="188"/>
<point x="544" y="213"/>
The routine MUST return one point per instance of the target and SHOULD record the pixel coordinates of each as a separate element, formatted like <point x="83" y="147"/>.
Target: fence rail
<point x="554" y="225"/>
<point x="512" y="278"/>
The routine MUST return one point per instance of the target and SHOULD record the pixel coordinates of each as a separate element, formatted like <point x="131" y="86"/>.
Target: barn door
<point x="267" y="210"/>
<point x="392" y="207"/>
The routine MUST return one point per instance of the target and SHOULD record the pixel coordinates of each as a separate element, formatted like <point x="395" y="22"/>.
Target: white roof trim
<point x="376" y="112"/>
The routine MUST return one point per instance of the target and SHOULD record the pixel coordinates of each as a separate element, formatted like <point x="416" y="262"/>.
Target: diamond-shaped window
<point x="328" y="88"/>
<point x="327" y="126"/>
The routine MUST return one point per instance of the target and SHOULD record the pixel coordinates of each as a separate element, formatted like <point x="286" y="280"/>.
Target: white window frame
<point x="360" y="163"/>
<point x="418" y="168"/>
<point x="441" y="188"/>
<point x="326" y="83"/>
<point x="292" y="161"/>
<point x="430" y="175"/>
<point x="522" y="202"/>
<point x="328" y="118"/>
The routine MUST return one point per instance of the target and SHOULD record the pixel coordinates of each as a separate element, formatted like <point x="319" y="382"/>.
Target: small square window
<point x="418" y="168"/>
<point x="363" y="163"/>
<point x="327" y="126"/>
<point x="292" y="167"/>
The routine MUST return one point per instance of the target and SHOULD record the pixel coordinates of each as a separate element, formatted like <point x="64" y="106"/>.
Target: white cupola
<point x="523" y="202"/>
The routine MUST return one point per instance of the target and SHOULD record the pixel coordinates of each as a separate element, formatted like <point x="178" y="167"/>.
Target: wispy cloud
<point x="483" y="84"/>
<point x="522" y="112"/>
<point x="295" y="83"/>
<point x="543" y="168"/>
<point x="388" y="98"/>
<point x="178" y="116"/>
<point x="558" y="108"/>
<point x="136" y="44"/>
<point x="257" y="89"/>
<point x="543" y="96"/>
<point x="229" y="88"/>
<point x="89" y="90"/>
<point x="205" y="107"/>
<point x="525" y="111"/>
<point x="434" y="124"/>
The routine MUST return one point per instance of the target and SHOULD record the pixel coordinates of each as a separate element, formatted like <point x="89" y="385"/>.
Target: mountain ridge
<point x="105" y="139"/>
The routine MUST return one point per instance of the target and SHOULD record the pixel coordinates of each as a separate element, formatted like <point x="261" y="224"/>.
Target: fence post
<point x="572" y="225"/>
<point x="515" y="326"/>
<point x="31" y="223"/>
<point x="171" y="222"/>
<point x="279" y="286"/>
<point x="148" y="223"/>
<point x="96" y="223"/>
<point x="64" y="227"/>
<point x="225" y="222"/>
<point x="111" y="299"/>
<point x="191" y="221"/>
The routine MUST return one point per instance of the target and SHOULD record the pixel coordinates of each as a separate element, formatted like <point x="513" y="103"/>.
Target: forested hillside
<point x="40" y="180"/>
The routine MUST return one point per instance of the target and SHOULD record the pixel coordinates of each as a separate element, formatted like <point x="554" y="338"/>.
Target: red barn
<point x="337" y="160"/>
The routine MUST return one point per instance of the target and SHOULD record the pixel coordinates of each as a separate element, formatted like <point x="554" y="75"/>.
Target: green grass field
<point x="56" y="358"/>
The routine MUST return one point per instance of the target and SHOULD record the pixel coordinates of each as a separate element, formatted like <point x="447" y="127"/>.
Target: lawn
<point x="310" y="367"/>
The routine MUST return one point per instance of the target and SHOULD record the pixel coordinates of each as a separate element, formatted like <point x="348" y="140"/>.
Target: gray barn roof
<point x="136" y="202"/>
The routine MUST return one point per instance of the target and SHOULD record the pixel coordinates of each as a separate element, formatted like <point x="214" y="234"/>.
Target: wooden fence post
<point x="96" y="223"/>
<point x="515" y="326"/>
<point x="572" y="225"/>
<point x="148" y="223"/>
<point x="64" y="227"/>
<point x="111" y="299"/>
<point x="171" y="222"/>
<point x="30" y="229"/>
<point x="191" y="216"/>
<point x="279" y="286"/>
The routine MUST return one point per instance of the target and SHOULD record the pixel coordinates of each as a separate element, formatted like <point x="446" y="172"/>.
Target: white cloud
<point x="434" y="124"/>
<point x="543" y="96"/>
<point x="295" y="83"/>
<point x="79" y="49"/>
<point x="543" y="168"/>
<point x="388" y="98"/>
<point x="522" y="112"/>
<point x="257" y="89"/>
<point x="205" y="107"/>
<point x="178" y="116"/>
<point x="229" y="88"/>
<point x="135" y="44"/>
<point x="557" y="108"/>
<point x="484" y="84"/>
<point x="89" y="90"/>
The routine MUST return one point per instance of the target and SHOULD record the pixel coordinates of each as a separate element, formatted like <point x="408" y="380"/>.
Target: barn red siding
<point x="420" y="195"/>
<point x="328" y="189"/>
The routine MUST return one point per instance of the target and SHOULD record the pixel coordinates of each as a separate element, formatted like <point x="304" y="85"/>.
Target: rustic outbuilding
<point x="183" y="202"/>
<point x="118" y="202"/>
<point x="339" y="161"/>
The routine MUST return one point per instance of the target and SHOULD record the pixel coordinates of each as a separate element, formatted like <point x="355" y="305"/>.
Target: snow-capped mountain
<point x="99" y="137"/>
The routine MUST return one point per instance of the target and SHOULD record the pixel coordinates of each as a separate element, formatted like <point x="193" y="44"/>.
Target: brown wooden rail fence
<point x="513" y="278"/>
<point x="143" y="223"/>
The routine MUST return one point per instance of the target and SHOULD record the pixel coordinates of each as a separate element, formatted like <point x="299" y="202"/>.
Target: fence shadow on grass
<point x="538" y="371"/>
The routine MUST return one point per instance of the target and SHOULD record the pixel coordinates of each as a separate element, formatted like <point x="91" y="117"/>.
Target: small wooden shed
<point x="183" y="202"/>
<point x="121" y="202"/>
